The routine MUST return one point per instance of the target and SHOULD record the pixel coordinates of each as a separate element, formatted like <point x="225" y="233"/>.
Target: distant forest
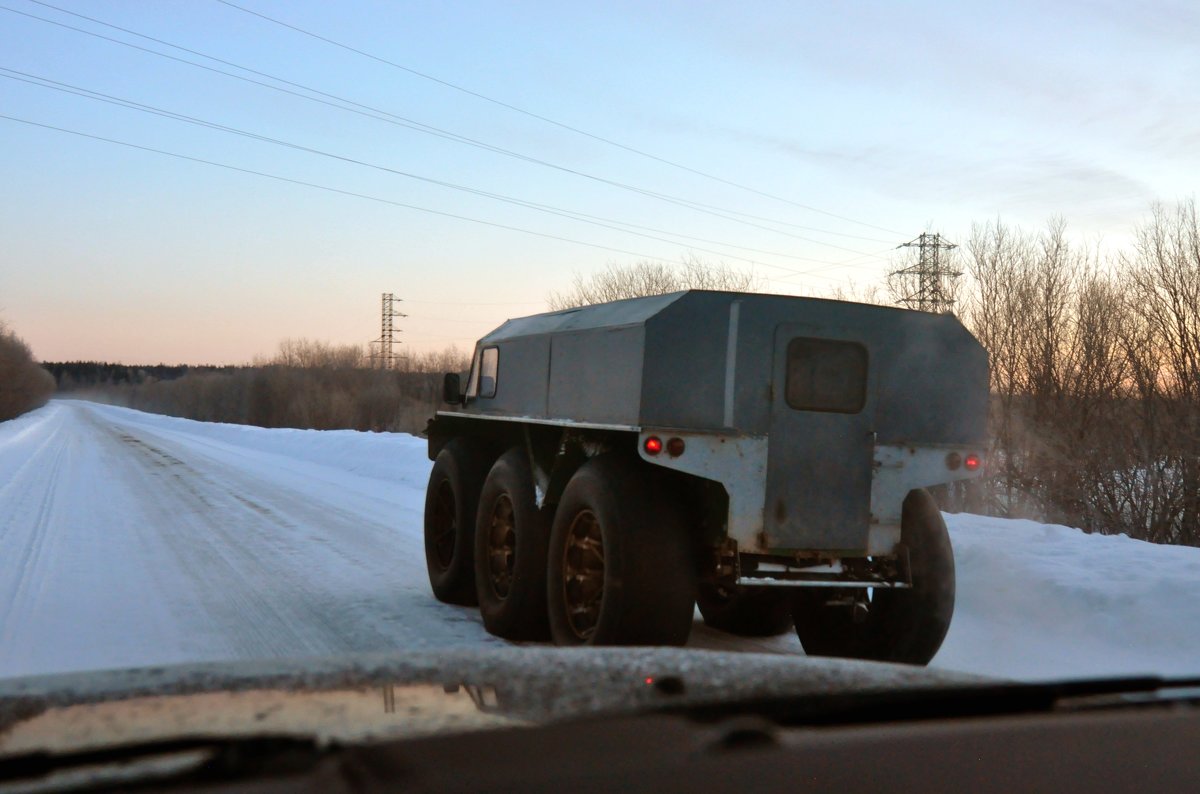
<point x="305" y="384"/>
<point x="75" y="375"/>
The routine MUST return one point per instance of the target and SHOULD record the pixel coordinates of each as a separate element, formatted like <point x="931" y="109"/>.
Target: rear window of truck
<point x="826" y="375"/>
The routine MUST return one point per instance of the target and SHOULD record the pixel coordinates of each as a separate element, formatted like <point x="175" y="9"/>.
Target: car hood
<point x="385" y="696"/>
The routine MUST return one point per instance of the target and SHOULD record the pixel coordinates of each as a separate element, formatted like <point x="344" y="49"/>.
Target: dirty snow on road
<point x="129" y="539"/>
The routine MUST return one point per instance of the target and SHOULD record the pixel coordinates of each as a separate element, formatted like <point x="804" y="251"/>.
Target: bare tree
<point x="992" y="309"/>
<point x="862" y="293"/>
<point x="314" y="354"/>
<point x="617" y="282"/>
<point x="1164" y="285"/>
<point x="23" y="384"/>
<point x="1095" y="417"/>
<point x="1045" y="314"/>
<point x="448" y="359"/>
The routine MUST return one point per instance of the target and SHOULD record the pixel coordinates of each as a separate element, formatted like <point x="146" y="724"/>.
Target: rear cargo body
<point x="718" y="363"/>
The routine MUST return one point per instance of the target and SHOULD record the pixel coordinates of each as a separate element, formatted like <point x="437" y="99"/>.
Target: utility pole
<point x="931" y="273"/>
<point x="382" y="354"/>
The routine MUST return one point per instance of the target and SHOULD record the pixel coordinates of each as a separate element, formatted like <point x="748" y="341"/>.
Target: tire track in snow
<point x="249" y="548"/>
<point x="36" y="484"/>
<point x="15" y="487"/>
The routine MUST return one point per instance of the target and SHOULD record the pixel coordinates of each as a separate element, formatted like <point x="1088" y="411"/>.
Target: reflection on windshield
<point x="362" y="714"/>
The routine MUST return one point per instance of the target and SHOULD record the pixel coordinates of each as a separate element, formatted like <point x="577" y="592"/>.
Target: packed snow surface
<point x="129" y="539"/>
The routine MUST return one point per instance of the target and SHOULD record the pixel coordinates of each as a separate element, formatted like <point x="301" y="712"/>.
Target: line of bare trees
<point x="1095" y="375"/>
<point x="306" y="384"/>
<point x="617" y="282"/>
<point x="23" y="384"/>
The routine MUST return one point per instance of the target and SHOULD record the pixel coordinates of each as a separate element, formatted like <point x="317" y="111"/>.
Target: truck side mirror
<point x="452" y="388"/>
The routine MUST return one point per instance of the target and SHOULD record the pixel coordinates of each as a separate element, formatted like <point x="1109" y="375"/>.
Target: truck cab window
<point x="826" y="375"/>
<point x="488" y="365"/>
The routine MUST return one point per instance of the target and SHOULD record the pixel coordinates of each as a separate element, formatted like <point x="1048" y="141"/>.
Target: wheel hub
<point x="502" y="545"/>
<point x="583" y="574"/>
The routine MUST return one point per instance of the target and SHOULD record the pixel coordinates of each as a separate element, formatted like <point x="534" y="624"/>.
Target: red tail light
<point x="972" y="462"/>
<point x="653" y="445"/>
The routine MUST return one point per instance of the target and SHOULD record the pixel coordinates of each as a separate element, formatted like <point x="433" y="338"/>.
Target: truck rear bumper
<point x="739" y="463"/>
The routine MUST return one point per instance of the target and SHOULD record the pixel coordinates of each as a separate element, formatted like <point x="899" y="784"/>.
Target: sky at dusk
<point x="192" y="181"/>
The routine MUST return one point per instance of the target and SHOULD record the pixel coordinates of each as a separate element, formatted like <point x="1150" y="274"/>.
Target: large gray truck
<point x="605" y="469"/>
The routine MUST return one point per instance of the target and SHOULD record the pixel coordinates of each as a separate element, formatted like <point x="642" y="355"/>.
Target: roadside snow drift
<point x="130" y="539"/>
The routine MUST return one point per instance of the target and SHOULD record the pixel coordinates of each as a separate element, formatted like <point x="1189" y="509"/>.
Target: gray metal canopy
<point x="704" y="360"/>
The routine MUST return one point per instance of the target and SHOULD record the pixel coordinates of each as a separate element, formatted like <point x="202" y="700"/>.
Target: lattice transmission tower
<point x="928" y="284"/>
<point x="383" y="355"/>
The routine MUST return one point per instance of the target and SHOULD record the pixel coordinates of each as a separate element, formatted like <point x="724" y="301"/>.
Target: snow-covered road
<point x="128" y="539"/>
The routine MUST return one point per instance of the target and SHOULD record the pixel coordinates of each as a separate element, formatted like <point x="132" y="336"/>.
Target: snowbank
<point x="1046" y="601"/>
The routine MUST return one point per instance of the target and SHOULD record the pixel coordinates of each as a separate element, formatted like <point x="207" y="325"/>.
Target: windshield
<point x="921" y="384"/>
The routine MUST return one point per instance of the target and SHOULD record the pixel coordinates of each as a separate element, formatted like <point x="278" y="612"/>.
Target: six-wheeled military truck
<point x="605" y="469"/>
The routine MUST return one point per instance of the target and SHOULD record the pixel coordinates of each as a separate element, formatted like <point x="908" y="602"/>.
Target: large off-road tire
<point x="759" y="612"/>
<point x="620" y="569"/>
<point x="451" y="500"/>
<point x="902" y="625"/>
<point x="511" y="536"/>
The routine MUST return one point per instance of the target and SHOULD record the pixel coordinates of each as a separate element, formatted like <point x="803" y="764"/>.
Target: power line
<point x="477" y="303"/>
<point x="343" y="192"/>
<point x="546" y="119"/>
<point x="843" y="263"/>
<point x="401" y="121"/>
<point x="444" y="337"/>
<point x="339" y="191"/>
<point x="457" y="320"/>
<point x="86" y="93"/>
<point x="326" y="188"/>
